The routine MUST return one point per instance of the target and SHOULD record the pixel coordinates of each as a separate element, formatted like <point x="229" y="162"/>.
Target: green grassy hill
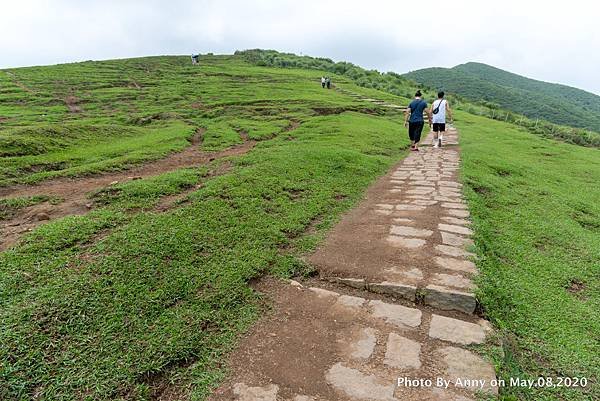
<point x="132" y="301"/>
<point x="556" y="103"/>
<point x="128" y="299"/>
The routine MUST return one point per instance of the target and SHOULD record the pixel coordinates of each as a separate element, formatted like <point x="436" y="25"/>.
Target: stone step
<point x="437" y="296"/>
<point x="337" y="347"/>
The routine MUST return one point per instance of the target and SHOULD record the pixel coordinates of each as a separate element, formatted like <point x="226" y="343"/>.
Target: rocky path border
<point x="401" y="326"/>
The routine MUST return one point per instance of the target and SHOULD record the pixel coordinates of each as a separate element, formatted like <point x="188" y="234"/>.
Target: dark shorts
<point x="439" y="127"/>
<point x="414" y="131"/>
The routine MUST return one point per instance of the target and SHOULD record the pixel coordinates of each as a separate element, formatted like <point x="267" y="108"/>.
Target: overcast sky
<point x="556" y="41"/>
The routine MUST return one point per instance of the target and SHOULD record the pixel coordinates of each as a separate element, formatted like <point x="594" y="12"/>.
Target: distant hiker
<point x="323" y="82"/>
<point x="328" y="80"/>
<point x="438" y="111"/>
<point x="195" y="58"/>
<point x="414" y="119"/>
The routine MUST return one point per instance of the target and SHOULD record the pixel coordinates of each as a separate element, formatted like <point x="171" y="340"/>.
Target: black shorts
<point x="414" y="131"/>
<point x="439" y="127"/>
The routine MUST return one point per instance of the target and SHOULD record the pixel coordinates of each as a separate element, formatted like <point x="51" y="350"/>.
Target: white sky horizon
<point x="554" y="42"/>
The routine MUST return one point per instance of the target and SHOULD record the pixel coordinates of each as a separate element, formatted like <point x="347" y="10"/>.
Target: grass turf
<point x="537" y="230"/>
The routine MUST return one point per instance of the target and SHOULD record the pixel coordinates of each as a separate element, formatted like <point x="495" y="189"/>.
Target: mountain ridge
<point x="554" y="102"/>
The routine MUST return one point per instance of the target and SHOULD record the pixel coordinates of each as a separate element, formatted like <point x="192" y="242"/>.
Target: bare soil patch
<point x="72" y="104"/>
<point x="75" y="191"/>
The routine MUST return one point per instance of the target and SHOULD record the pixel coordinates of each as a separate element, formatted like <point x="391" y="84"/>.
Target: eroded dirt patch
<point x="72" y="104"/>
<point x="75" y="191"/>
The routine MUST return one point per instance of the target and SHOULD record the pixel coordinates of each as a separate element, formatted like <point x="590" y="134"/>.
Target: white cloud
<point x="554" y="41"/>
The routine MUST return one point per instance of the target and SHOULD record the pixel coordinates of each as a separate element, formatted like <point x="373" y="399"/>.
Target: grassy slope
<point x="140" y="109"/>
<point x="535" y="210"/>
<point x="124" y="301"/>
<point x="535" y="99"/>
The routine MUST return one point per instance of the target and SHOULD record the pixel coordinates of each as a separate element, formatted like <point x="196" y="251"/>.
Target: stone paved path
<point x="395" y="302"/>
<point x="410" y="237"/>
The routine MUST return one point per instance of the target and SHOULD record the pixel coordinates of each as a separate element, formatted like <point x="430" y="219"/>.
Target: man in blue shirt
<point x="414" y="120"/>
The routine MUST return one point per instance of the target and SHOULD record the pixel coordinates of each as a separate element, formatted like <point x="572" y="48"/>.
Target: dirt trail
<point x="394" y="300"/>
<point x="74" y="191"/>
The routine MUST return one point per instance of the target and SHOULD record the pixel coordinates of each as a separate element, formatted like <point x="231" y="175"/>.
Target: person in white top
<point x="323" y="82"/>
<point x="439" y="109"/>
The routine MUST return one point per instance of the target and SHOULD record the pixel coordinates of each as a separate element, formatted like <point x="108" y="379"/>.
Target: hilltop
<point x="556" y="103"/>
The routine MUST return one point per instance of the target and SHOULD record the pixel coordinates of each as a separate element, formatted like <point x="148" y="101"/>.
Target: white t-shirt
<point x="440" y="117"/>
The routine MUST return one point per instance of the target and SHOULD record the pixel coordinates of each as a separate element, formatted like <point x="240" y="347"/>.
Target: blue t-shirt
<point x="416" y="110"/>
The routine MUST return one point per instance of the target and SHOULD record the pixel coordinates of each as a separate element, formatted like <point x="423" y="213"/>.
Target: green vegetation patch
<point x="145" y="193"/>
<point x="537" y="229"/>
<point x="39" y="153"/>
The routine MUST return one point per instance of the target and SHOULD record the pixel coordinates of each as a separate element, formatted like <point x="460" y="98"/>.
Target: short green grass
<point x="99" y="149"/>
<point x="134" y="110"/>
<point x="125" y="301"/>
<point x="536" y="216"/>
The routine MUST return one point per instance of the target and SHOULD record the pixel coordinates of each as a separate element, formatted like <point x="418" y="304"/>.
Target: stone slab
<point x="363" y="346"/>
<point x="456" y="264"/>
<point x="455" y="240"/>
<point x="465" y="365"/>
<point x="453" y="251"/>
<point x="398" y="315"/>
<point x="453" y="280"/>
<point x="402" y="352"/>
<point x="407" y="231"/>
<point x="246" y="393"/>
<point x="395" y="289"/>
<point x="358" y="385"/>
<point x="446" y="299"/>
<point x="455" y="229"/>
<point x="405" y="242"/>
<point x="456" y="331"/>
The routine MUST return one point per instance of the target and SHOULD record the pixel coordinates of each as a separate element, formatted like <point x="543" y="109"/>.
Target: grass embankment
<point x="129" y="303"/>
<point x="536" y="215"/>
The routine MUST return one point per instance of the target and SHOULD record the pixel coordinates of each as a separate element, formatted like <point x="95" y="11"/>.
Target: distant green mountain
<point x="556" y="103"/>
